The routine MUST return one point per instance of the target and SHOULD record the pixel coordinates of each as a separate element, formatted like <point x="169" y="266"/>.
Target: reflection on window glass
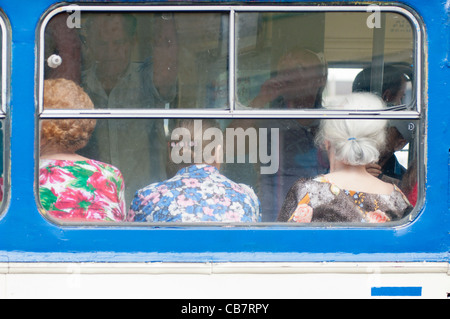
<point x="304" y="60"/>
<point x="143" y="60"/>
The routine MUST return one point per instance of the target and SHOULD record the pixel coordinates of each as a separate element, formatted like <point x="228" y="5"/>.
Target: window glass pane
<point x="143" y="60"/>
<point x="298" y="60"/>
<point x="225" y="171"/>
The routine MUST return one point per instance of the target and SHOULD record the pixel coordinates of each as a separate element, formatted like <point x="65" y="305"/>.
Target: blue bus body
<point x="28" y="237"/>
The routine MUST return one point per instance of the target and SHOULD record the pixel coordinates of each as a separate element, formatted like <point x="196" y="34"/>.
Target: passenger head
<point x="354" y="142"/>
<point x="67" y="135"/>
<point x="110" y="39"/>
<point x="394" y="84"/>
<point x="306" y="73"/>
<point x="399" y="134"/>
<point x="195" y="142"/>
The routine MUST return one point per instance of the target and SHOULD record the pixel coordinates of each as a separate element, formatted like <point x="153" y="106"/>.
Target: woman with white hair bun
<point x="348" y="193"/>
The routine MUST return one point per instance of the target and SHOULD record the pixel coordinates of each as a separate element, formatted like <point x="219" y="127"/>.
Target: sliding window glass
<point x="213" y="115"/>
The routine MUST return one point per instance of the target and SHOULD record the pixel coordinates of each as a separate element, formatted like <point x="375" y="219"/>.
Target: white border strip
<point x="228" y="268"/>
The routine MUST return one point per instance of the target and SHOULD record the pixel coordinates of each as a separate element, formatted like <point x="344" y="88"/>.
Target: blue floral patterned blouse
<point x="198" y="193"/>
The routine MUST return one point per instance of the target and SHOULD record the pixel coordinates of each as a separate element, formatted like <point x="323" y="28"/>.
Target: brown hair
<point x="68" y="135"/>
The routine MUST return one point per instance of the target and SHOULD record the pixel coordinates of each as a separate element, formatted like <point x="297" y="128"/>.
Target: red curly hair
<point x="67" y="135"/>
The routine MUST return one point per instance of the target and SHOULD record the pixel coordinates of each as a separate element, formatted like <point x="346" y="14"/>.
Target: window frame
<point x="418" y="96"/>
<point x="5" y="27"/>
<point x="5" y="63"/>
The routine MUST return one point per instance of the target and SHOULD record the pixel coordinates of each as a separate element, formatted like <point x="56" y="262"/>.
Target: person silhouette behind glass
<point x="114" y="81"/>
<point x="398" y="135"/>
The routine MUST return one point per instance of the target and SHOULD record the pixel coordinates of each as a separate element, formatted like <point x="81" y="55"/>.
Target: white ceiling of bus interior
<point x="346" y="39"/>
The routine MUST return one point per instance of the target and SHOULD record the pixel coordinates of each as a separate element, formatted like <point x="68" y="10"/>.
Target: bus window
<point x="220" y="115"/>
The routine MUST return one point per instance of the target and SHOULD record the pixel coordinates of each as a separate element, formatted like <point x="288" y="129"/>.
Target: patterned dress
<point x="82" y="190"/>
<point x="319" y="200"/>
<point x="198" y="193"/>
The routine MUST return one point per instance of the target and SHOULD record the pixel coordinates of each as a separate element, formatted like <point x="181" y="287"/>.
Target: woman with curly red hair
<point x="72" y="187"/>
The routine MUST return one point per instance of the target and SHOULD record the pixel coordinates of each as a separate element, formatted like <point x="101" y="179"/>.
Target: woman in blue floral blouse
<point x="197" y="193"/>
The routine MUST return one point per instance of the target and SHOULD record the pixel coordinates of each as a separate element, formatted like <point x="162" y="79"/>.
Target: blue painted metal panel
<point x="27" y="236"/>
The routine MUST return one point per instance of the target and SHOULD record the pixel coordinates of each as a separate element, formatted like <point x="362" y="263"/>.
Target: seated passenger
<point x="298" y="83"/>
<point x="394" y="84"/>
<point x="388" y="168"/>
<point x="197" y="193"/>
<point x="348" y="193"/>
<point x="72" y="187"/>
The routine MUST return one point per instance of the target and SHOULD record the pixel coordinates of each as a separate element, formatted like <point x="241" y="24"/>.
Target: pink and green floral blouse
<point x="318" y="200"/>
<point x="82" y="190"/>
